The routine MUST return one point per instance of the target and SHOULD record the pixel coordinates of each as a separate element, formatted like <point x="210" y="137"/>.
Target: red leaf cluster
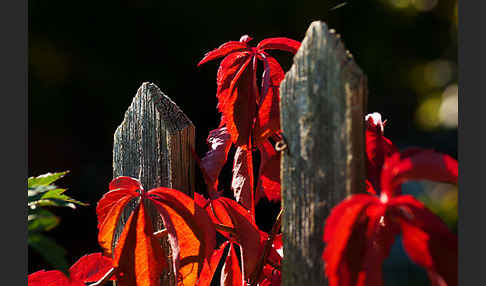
<point x="361" y="230"/>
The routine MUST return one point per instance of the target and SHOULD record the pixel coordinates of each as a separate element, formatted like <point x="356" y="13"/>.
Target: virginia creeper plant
<point x="212" y="232"/>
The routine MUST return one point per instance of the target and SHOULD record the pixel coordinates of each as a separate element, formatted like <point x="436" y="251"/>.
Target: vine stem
<point x="266" y="249"/>
<point x="105" y="278"/>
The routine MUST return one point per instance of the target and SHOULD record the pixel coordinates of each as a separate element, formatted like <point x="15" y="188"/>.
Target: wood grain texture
<point x="323" y="99"/>
<point x="153" y="144"/>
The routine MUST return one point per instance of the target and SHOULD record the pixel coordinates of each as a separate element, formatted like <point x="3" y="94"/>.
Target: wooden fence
<point x="323" y="98"/>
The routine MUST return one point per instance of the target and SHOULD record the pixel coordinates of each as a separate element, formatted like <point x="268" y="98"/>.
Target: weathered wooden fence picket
<point x="323" y="98"/>
<point x="322" y="101"/>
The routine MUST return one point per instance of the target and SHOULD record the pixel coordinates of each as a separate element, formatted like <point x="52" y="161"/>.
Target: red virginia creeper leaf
<point x="427" y="240"/>
<point x="268" y="119"/>
<point x="138" y="254"/>
<point x="51" y="278"/>
<point x="210" y="266"/>
<point x="247" y="234"/>
<point x="116" y="200"/>
<point x="223" y="50"/>
<point x="281" y="43"/>
<point x="90" y="268"/>
<point x="378" y="148"/>
<point x="239" y="107"/>
<point x="231" y="272"/>
<point x="418" y="165"/>
<point x="194" y="230"/>
<point x="344" y="236"/>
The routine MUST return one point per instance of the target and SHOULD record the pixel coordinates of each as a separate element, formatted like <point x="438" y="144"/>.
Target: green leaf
<point x="45" y="179"/>
<point x="41" y="220"/>
<point x="49" y="250"/>
<point x="58" y="195"/>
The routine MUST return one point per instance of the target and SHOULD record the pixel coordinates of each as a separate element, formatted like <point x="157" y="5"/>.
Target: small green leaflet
<point x="42" y="193"/>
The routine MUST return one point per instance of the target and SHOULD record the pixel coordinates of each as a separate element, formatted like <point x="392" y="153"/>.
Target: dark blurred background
<point x="87" y="59"/>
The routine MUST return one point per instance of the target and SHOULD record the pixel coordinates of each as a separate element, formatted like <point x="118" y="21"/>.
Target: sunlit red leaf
<point x="223" y="50"/>
<point x="51" y="278"/>
<point x="194" y="230"/>
<point x="138" y="254"/>
<point x="242" y="183"/>
<point x="418" y="165"/>
<point x="280" y="43"/>
<point x="239" y="106"/>
<point x="119" y="187"/>
<point x="90" y="268"/>
<point x="268" y="117"/>
<point x="231" y="272"/>
<point x="108" y="226"/>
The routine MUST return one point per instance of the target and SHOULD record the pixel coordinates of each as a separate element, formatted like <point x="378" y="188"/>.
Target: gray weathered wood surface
<point x="153" y="144"/>
<point x="323" y="98"/>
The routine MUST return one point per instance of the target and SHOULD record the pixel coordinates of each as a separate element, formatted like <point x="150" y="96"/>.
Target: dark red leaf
<point x="281" y="43"/>
<point x="231" y="272"/>
<point x="345" y="237"/>
<point x="223" y="50"/>
<point x="90" y="268"/>
<point x="247" y="234"/>
<point x="427" y="240"/>
<point x="210" y="266"/>
<point x="269" y="173"/>
<point x="219" y="141"/>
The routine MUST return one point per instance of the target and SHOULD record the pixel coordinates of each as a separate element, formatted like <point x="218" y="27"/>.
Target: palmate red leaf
<point x="90" y="268"/>
<point x="223" y="50"/>
<point x="219" y="141"/>
<point x="194" y="231"/>
<point x="231" y="272"/>
<point x="237" y="92"/>
<point x="210" y="266"/>
<point x="280" y="43"/>
<point x="418" y="164"/>
<point x="427" y="240"/>
<point x="269" y="173"/>
<point x="138" y="255"/>
<point x="242" y="182"/>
